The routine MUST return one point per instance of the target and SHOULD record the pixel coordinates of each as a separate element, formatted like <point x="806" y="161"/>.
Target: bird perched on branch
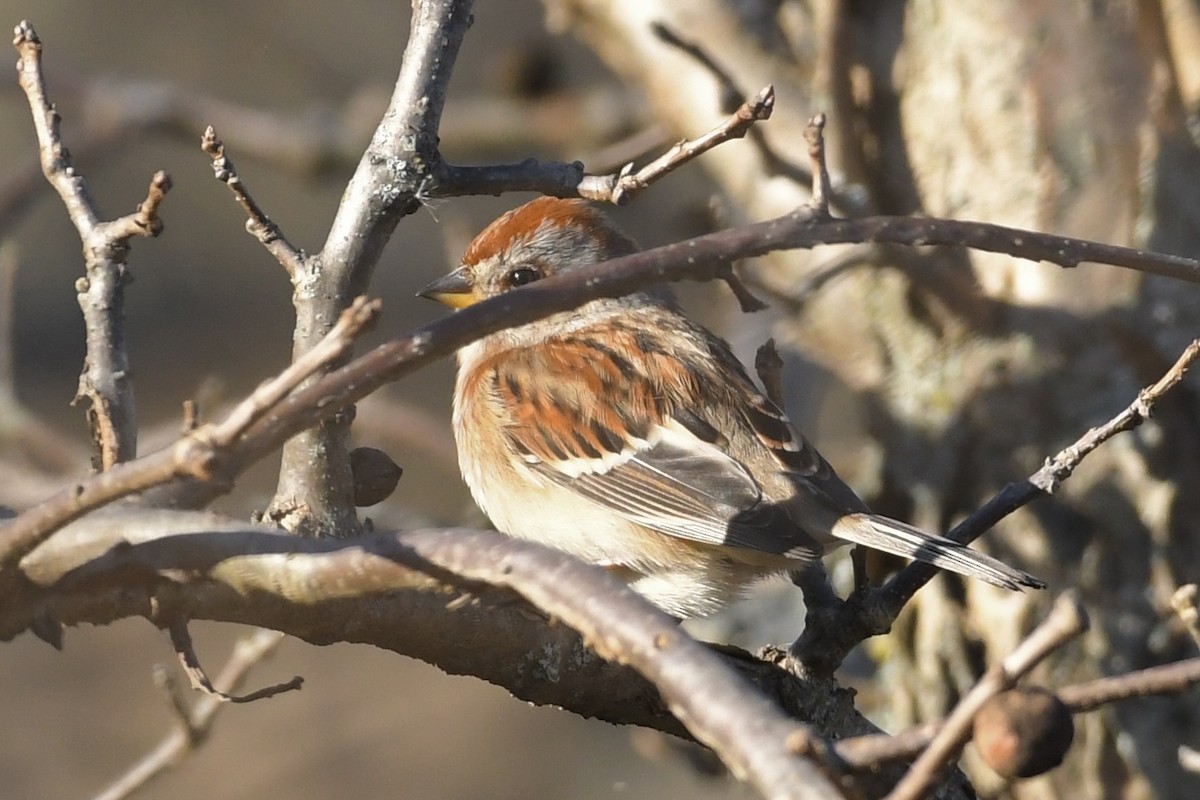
<point x="631" y="437"/>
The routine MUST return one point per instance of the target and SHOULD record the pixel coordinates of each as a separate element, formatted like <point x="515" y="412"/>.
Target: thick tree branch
<point x="296" y="585"/>
<point x="315" y="494"/>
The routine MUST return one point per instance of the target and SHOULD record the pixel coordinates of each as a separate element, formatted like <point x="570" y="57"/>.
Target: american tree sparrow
<point x="631" y="437"/>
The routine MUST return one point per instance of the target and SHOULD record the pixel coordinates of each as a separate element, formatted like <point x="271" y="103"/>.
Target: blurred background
<point x="929" y="378"/>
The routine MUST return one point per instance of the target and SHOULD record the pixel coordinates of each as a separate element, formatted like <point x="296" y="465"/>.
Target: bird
<point x="631" y="437"/>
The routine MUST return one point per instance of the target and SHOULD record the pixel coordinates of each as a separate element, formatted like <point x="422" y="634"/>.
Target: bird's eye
<point x="523" y="275"/>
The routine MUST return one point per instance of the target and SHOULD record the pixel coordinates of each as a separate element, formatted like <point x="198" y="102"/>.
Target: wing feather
<point x="651" y="455"/>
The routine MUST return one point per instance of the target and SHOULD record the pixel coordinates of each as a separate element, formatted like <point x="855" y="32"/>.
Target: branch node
<point x="821" y="189"/>
<point x="747" y="300"/>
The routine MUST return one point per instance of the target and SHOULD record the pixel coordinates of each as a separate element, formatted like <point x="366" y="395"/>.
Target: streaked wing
<point x="649" y="455"/>
<point x="806" y="469"/>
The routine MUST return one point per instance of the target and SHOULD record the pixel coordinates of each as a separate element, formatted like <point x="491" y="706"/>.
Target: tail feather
<point x="901" y="539"/>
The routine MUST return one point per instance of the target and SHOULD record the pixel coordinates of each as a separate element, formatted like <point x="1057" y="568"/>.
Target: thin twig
<point x="730" y="94"/>
<point x="1054" y="471"/>
<point x="747" y="300"/>
<point x="181" y="640"/>
<point x="351" y="324"/>
<point x="629" y="183"/>
<point x="821" y="188"/>
<point x="1165" y="679"/>
<point x="258" y="224"/>
<point x="1066" y="620"/>
<point x="1062" y="465"/>
<point x="196" y="721"/>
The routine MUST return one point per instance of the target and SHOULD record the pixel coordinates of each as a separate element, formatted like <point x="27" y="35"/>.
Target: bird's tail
<point x="901" y="539"/>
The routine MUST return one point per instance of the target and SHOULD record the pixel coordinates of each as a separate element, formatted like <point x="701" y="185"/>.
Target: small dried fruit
<point x="1024" y="732"/>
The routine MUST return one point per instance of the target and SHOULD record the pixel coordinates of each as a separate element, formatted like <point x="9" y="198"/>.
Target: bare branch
<point x="696" y="259"/>
<point x="701" y="258"/>
<point x="1066" y="620"/>
<point x="181" y="640"/>
<point x="570" y="180"/>
<point x="757" y="742"/>
<point x="259" y="225"/>
<point x="104" y="382"/>
<point x="1165" y="679"/>
<point x="1061" y="466"/>
<point x="331" y="577"/>
<point x="351" y="323"/>
<point x="730" y="93"/>
<point x="747" y="300"/>
<point x="144" y="221"/>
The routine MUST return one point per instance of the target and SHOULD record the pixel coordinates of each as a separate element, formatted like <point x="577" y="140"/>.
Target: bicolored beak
<point x="456" y="290"/>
